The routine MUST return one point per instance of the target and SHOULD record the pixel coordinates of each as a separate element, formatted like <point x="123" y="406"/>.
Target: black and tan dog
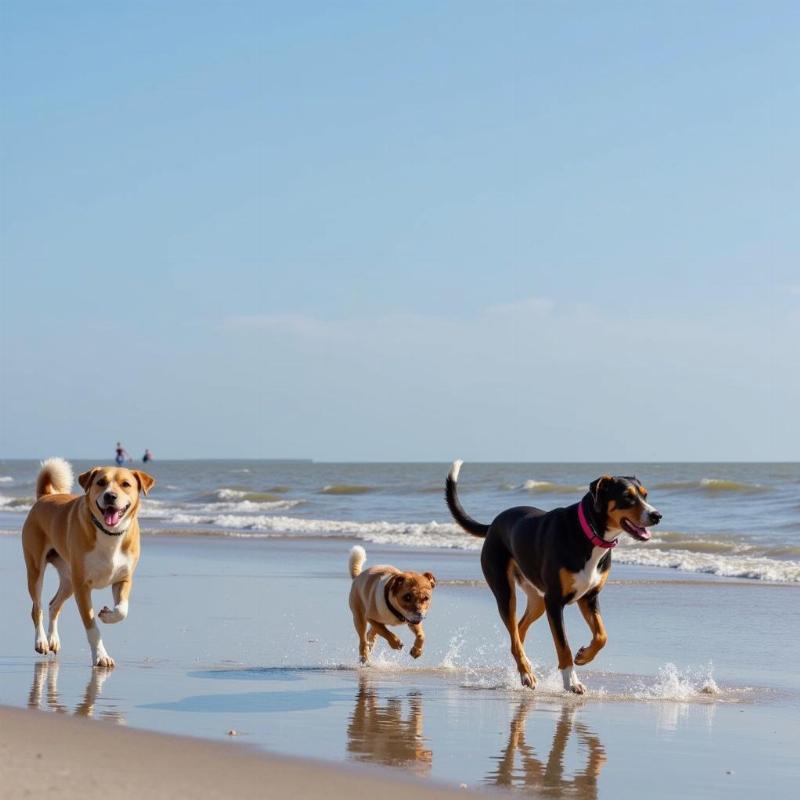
<point x="556" y="557"/>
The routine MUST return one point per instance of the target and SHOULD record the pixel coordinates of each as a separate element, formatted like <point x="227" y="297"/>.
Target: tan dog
<point x="384" y="596"/>
<point x="92" y="540"/>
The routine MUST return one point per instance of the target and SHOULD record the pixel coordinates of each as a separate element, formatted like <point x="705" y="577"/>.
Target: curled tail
<point x="459" y="515"/>
<point x="358" y="555"/>
<point x="55" y="477"/>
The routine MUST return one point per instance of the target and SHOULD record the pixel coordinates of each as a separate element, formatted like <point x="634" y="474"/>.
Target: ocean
<point x="733" y="519"/>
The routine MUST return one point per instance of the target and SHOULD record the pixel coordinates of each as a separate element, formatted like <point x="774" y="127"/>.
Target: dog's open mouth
<point x="637" y="531"/>
<point x="112" y="515"/>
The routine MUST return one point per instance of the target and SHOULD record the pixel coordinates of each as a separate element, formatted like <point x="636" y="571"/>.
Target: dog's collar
<point x="100" y="527"/>
<point x="589" y="532"/>
<point x="389" y="605"/>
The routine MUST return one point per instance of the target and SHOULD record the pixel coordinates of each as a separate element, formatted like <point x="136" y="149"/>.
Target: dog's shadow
<point x="44" y="693"/>
<point x="518" y="766"/>
<point x="388" y="731"/>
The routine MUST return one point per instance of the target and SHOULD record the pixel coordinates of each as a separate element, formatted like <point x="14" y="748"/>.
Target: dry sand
<point x="47" y="755"/>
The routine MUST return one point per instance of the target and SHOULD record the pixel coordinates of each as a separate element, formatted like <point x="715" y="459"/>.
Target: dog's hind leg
<point x="499" y="568"/>
<point x="63" y="593"/>
<point x="35" y="564"/>
<point x="555" y="616"/>
<point x="360" y="624"/>
<point x="534" y="610"/>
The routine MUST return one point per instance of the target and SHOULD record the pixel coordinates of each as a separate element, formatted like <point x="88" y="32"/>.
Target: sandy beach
<point x="43" y="756"/>
<point x="254" y="636"/>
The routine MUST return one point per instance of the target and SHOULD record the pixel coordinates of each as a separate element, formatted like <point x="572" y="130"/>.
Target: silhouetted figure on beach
<point x="122" y="455"/>
<point x="148" y="456"/>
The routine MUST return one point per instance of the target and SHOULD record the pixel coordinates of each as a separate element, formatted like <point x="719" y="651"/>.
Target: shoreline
<point x="641" y="573"/>
<point x="257" y="637"/>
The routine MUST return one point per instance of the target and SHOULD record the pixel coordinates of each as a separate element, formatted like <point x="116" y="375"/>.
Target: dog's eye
<point x="101" y="482"/>
<point x="407" y="598"/>
<point x="126" y="484"/>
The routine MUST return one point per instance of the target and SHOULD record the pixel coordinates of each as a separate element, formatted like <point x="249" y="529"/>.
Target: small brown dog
<point x="91" y="539"/>
<point x="384" y="596"/>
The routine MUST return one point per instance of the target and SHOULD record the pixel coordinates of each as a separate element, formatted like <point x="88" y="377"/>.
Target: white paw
<point x="104" y="661"/>
<point x="528" y="680"/>
<point x="54" y="643"/>
<point x="41" y="645"/>
<point x="571" y="682"/>
<point x="110" y="616"/>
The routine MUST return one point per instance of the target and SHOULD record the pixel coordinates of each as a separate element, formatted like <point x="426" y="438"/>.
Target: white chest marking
<point x="589" y="576"/>
<point x="384" y="614"/>
<point x="107" y="563"/>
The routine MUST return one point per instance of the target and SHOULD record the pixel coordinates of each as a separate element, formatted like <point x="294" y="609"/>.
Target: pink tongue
<point x="111" y="516"/>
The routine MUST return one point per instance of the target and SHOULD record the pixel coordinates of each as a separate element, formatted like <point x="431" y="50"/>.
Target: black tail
<point x="459" y="515"/>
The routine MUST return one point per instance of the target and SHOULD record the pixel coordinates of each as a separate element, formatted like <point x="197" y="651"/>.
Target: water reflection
<point x="519" y="767"/>
<point x="388" y="731"/>
<point x="44" y="693"/>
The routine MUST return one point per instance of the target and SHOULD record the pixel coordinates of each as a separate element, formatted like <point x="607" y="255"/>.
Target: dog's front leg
<point x="83" y="597"/>
<point x="590" y="608"/>
<point x="419" y="640"/>
<point x="555" y="616"/>
<point x="121" y="591"/>
<point x="382" y="630"/>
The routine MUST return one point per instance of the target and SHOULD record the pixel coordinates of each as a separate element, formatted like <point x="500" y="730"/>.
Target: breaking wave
<point x="16" y="503"/>
<point x="228" y="495"/>
<point x="712" y="486"/>
<point x="346" y="488"/>
<point x="548" y="487"/>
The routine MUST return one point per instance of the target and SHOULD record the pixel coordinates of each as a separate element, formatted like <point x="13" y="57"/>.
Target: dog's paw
<point x="41" y="646"/>
<point x="395" y="644"/>
<point x="528" y="680"/>
<point x="54" y="643"/>
<point x="110" y="616"/>
<point x="577" y="688"/>
<point x="583" y="656"/>
<point x="416" y="652"/>
<point x="104" y="662"/>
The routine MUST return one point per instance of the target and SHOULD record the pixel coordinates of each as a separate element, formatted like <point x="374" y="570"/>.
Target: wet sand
<point x="255" y="636"/>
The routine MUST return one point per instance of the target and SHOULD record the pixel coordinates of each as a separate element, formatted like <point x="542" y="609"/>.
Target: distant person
<point x="148" y="456"/>
<point x="122" y="455"/>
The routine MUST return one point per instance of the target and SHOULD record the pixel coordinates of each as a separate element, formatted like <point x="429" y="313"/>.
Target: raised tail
<point x="459" y="515"/>
<point x="358" y="555"/>
<point x="55" y="477"/>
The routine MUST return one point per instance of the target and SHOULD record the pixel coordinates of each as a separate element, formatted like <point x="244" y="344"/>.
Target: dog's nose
<point x="109" y="497"/>
<point x="655" y="517"/>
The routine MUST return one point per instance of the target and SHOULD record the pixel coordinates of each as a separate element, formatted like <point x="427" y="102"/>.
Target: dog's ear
<point x="146" y="482"/>
<point x="395" y="582"/>
<point x="85" y="478"/>
<point x="431" y="577"/>
<point x="597" y="489"/>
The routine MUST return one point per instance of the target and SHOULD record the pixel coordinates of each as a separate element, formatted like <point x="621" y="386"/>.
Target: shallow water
<point x="735" y="520"/>
<point x="695" y="695"/>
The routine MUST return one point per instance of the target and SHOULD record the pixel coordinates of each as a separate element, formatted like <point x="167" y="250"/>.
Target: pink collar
<point x="590" y="534"/>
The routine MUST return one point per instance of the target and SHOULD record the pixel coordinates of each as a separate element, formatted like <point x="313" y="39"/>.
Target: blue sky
<point x="402" y="231"/>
